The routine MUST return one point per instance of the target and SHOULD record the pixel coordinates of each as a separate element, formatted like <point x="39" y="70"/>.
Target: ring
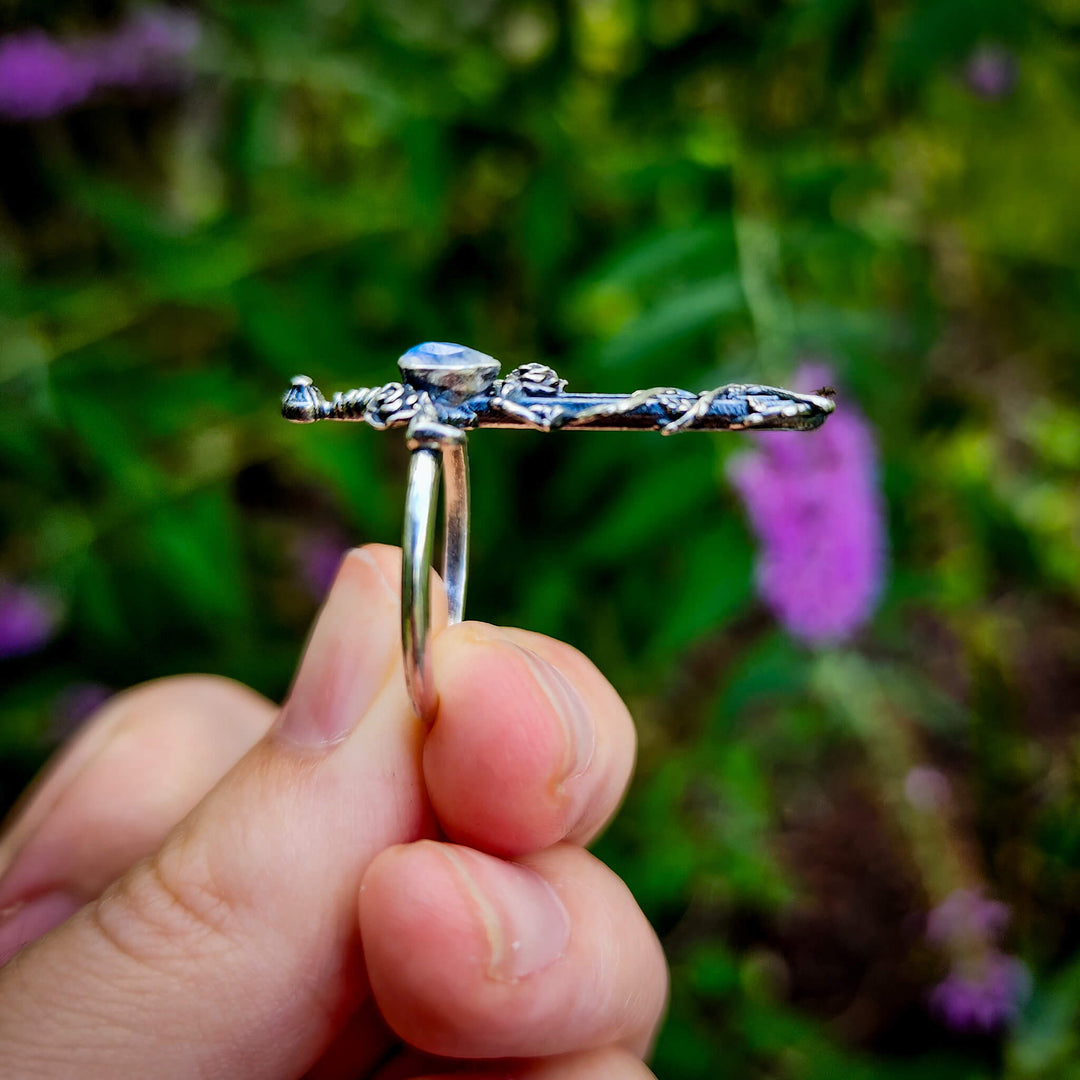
<point x="427" y="463"/>
<point x="447" y="390"/>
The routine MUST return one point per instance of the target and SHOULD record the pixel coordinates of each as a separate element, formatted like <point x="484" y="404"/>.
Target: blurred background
<point x="853" y="656"/>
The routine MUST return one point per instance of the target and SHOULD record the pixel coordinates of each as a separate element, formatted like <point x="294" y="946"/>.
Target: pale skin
<point x="204" y="885"/>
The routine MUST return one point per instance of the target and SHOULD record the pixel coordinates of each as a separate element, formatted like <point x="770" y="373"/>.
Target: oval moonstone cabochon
<point x="446" y="369"/>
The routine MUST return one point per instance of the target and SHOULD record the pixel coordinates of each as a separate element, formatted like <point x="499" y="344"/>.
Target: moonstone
<point x="448" y="370"/>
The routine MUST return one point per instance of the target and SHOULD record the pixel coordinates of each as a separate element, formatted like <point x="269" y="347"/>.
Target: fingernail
<point x="571" y="710"/>
<point x="525" y="922"/>
<point x="348" y="657"/>
<point x="25" y="922"/>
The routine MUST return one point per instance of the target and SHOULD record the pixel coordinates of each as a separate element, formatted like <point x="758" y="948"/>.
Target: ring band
<point x="428" y="462"/>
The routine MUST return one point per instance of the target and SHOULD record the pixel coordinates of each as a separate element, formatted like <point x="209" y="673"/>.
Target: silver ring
<point x="447" y="389"/>
<point x="429" y="461"/>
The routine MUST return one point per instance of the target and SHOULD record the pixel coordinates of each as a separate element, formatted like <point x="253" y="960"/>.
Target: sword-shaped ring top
<point x="447" y="390"/>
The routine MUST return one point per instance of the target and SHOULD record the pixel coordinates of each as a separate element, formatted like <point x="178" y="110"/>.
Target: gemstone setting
<point x="451" y="372"/>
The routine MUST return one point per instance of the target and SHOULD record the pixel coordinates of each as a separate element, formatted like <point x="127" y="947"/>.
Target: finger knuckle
<point x="181" y="696"/>
<point x="170" y="907"/>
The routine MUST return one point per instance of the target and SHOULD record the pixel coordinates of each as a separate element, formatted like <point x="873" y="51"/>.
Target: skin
<point x="206" y="886"/>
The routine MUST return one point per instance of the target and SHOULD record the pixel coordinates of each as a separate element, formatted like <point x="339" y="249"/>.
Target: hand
<point x="334" y="892"/>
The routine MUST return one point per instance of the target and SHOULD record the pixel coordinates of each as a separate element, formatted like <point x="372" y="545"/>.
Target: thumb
<point x="233" y="950"/>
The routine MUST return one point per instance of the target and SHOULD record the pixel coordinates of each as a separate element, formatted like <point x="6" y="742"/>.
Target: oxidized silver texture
<point x="447" y="390"/>
<point x="533" y="396"/>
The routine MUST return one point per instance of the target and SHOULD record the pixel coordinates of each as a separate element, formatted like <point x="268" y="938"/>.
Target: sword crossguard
<point x="534" y="396"/>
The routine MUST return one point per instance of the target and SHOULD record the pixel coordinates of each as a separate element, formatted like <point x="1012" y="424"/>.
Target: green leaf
<point x="672" y="323"/>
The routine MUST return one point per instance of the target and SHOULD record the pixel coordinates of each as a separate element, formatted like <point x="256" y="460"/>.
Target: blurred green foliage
<point x="640" y="192"/>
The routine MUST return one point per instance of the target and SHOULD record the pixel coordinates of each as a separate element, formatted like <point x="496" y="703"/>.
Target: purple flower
<point x="984" y="994"/>
<point x="318" y="554"/>
<point x="814" y="502"/>
<point x="985" y="987"/>
<point x="147" y="50"/>
<point x="967" y="916"/>
<point x="927" y="789"/>
<point x="28" y="619"/>
<point x="41" y="76"/>
<point x="991" y="72"/>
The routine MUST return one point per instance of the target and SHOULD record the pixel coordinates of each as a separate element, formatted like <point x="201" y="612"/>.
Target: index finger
<point x="531" y="745"/>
